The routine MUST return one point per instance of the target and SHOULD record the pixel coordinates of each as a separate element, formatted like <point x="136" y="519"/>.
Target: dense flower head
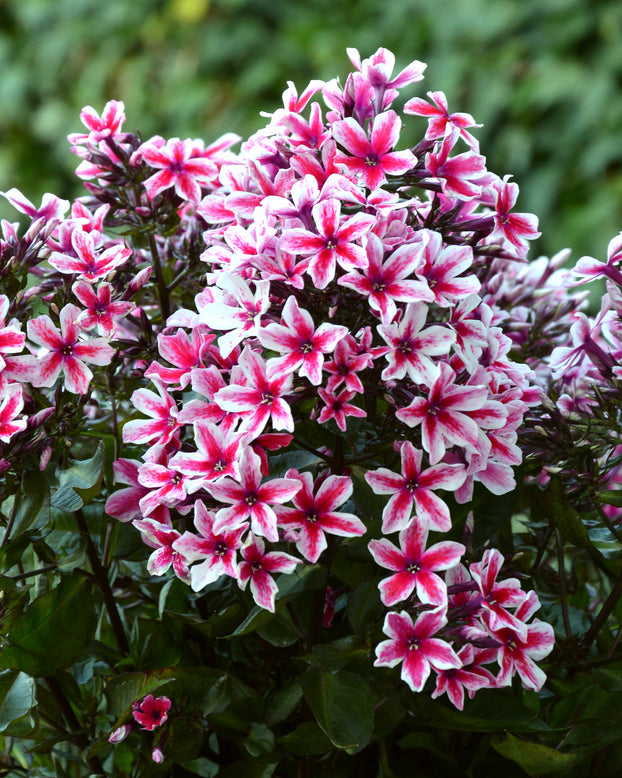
<point x="332" y="306"/>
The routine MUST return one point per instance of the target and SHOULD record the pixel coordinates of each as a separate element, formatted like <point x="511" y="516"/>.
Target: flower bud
<point x="120" y="733"/>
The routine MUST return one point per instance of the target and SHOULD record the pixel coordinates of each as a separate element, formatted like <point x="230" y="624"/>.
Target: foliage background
<point x="542" y="75"/>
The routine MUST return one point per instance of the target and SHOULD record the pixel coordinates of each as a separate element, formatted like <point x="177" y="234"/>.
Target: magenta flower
<point x="439" y="117"/>
<point x="250" y="499"/>
<point x="11" y="339"/>
<point x="471" y="676"/>
<point x="166" y="486"/>
<point x="87" y="263"/>
<point x="151" y="712"/>
<point x="413" y="645"/>
<point x="443" y="415"/>
<point x="386" y="281"/>
<point x="347" y="361"/>
<point x="259" y="398"/>
<point x="463" y="175"/>
<point x="214" y="550"/>
<point x="65" y="352"/>
<point x="441" y="267"/>
<point x="11" y="404"/>
<point x="371" y="158"/>
<point x="180" y="168"/>
<point x="519" y="651"/>
<point x="314" y="515"/>
<point x="498" y="596"/>
<point x="100" y="310"/>
<point x="378" y="69"/>
<point x="124" y="504"/>
<point x="100" y="127"/>
<point x="517" y="228"/>
<point x="164" y="424"/>
<point x="415" y="487"/>
<point x="216" y="456"/>
<point x="51" y="206"/>
<point x="415" y="567"/>
<point x="258" y="567"/>
<point x="161" y="538"/>
<point x="410" y="347"/>
<point x="333" y="242"/>
<point x="301" y="345"/>
<point x="337" y="407"/>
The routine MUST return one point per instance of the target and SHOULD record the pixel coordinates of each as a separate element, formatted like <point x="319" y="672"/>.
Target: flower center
<point x="312" y="516"/>
<point x="250" y="498"/>
<point x="67" y="350"/>
<point x="413" y="644"/>
<point x="267" y="398"/>
<point x="413" y="568"/>
<point x="378" y="286"/>
<point x="405" y="347"/>
<point x="220" y="465"/>
<point x="371" y="160"/>
<point x="306" y="347"/>
<point x="220" y="549"/>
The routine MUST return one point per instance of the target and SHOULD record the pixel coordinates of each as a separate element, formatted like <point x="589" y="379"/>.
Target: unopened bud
<point x="120" y="733"/>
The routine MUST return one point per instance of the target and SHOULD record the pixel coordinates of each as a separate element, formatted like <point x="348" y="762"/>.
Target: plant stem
<point x="604" y="612"/>
<point x="157" y="269"/>
<point x="11" y="521"/>
<point x="104" y="585"/>
<point x="562" y="581"/>
<point x="73" y="723"/>
<point x="31" y="573"/>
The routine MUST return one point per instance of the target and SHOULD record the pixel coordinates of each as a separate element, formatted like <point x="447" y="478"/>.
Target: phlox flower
<point x="410" y="347"/>
<point x="471" y="676"/>
<point x="65" y="352"/>
<point x="243" y="318"/>
<point x="345" y="364"/>
<point x="259" y="398"/>
<point x="519" y="651"/>
<point x="337" y="407"/>
<point x="441" y="267"/>
<point x="387" y="281"/>
<point x="414" y="487"/>
<point x="250" y="499"/>
<point x="87" y="263"/>
<point x="333" y="243"/>
<point x="517" y="228"/>
<point x="371" y="158"/>
<point x="257" y="568"/>
<point x="184" y="351"/>
<point x="179" y="168"/>
<point x="214" y="550"/>
<point x="498" y="596"/>
<point x="100" y="310"/>
<point x="439" y="118"/>
<point x="301" y="345"/>
<point x="161" y="537"/>
<point x="413" y="645"/>
<point x="11" y="339"/>
<point x="443" y="415"/>
<point x="415" y="566"/>
<point x="51" y="207"/>
<point x="151" y="712"/>
<point x="314" y="513"/>
<point x="378" y="69"/>
<point x="124" y="504"/>
<point x="11" y="404"/>
<point x="101" y="126"/>
<point x="216" y="456"/>
<point x="164" y="424"/>
<point x="463" y="175"/>
<point x="166" y="485"/>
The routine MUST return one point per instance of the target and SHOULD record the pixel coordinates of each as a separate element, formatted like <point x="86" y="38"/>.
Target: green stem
<point x="73" y="723"/>
<point x="103" y="583"/>
<point x="562" y="581"/>
<point x="10" y="523"/>
<point x="157" y="269"/>
<point x="604" y="612"/>
<point x="31" y="573"/>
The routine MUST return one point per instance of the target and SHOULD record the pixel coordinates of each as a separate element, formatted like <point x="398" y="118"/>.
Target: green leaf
<point x="284" y="702"/>
<point x="80" y="483"/>
<point x="535" y="759"/>
<point x="17" y="695"/>
<point x="364" y="608"/>
<point x="33" y="507"/>
<point x="333" y="656"/>
<point x="306" y="740"/>
<point x="122" y="690"/>
<point x="342" y="705"/>
<point x="563" y="515"/>
<point x="54" y="630"/>
<point x="259" y="740"/>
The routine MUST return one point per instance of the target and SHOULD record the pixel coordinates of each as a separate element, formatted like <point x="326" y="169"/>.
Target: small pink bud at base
<point x="157" y="756"/>
<point x="120" y="733"/>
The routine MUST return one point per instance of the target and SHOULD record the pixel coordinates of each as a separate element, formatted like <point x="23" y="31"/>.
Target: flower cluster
<point x="321" y="304"/>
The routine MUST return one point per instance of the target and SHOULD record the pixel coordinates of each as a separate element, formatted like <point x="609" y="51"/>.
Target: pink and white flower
<point x="257" y="569"/>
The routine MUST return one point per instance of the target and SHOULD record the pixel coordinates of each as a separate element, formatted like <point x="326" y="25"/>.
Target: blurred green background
<point x="544" y="77"/>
